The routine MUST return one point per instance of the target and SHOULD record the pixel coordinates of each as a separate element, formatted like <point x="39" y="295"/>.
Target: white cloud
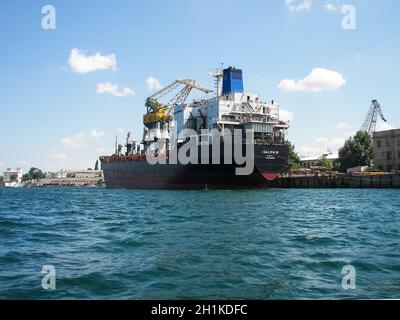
<point x="285" y="115"/>
<point x="100" y="149"/>
<point x="321" y="140"/>
<point x="113" y="89"/>
<point x="330" y="7"/>
<point x="24" y="163"/>
<point x="331" y="143"/>
<point x="96" y="135"/>
<point x="299" y="5"/>
<point x="306" y="5"/>
<point x="1" y="164"/>
<point x="321" y="146"/>
<point x="333" y="6"/>
<point x="383" y="126"/>
<point x="120" y="130"/>
<point x="75" y="142"/>
<point x="153" y="84"/>
<point x="56" y="156"/>
<point x="310" y="151"/>
<point x="318" y="80"/>
<point x="79" y="62"/>
<point x="337" y="142"/>
<point x="343" y="126"/>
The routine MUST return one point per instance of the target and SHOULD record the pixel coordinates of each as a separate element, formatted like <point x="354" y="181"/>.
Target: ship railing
<point x="123" y="158"/>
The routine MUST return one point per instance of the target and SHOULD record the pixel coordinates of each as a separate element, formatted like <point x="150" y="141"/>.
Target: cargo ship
<point x="228" y="140"/>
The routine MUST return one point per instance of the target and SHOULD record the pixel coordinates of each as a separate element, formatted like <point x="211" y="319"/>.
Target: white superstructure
<point x="232" y="109"/>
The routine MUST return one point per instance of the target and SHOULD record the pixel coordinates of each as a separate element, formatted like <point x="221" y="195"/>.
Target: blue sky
<point x="53" y="117"/>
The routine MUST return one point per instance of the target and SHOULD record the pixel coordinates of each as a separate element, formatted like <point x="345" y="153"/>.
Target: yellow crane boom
<point x="158" y="112"/>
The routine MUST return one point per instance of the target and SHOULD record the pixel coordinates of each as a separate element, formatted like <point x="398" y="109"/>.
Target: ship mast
<point x="218" y="75"/>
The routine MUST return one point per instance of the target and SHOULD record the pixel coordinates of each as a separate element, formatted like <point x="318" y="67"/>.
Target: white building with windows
<point x="308" y="162"/>
<point x="13" y="177"/>
<point x="387" y="150"/>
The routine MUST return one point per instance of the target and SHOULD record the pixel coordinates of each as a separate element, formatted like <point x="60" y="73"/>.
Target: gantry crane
<point x="161" y="113"/>
<point x="372" y="117"/>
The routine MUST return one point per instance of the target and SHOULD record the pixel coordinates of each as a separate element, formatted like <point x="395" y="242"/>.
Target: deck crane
<point x="372" y="117"/>
<point x="161" y="113"/>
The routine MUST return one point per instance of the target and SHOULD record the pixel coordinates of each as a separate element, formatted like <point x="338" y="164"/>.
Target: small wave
<point x="11" y="224"/>
<point x="314" y="238"/>
<point x="128" y="242"/>
<point x="11" y="257"/>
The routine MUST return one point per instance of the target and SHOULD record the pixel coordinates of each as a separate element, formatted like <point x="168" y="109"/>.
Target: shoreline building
<point x="12" y="175"/>
<point x="387" y="150"/>
<point x="80" y="174"/>
<point x="308" y="162"/>
<point x="13" y="178"/>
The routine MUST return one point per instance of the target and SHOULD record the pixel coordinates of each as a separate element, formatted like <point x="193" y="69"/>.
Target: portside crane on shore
<point x="372" y="117"/>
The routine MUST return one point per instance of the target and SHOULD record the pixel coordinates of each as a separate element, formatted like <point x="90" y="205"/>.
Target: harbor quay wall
<point x="347" y="181"/>
<point x="69" y="182"/>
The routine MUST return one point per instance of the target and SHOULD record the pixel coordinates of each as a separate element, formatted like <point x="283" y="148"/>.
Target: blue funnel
<point x="233" y="81"/>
